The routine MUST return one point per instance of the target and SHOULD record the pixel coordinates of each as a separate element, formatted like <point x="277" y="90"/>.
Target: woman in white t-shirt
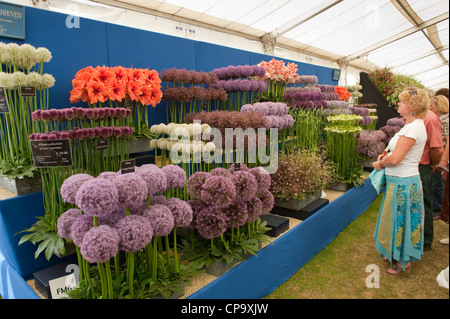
<point x="399" y="229"/>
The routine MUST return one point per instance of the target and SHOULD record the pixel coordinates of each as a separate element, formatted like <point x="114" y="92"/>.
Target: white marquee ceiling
<point x="411" y="36"/>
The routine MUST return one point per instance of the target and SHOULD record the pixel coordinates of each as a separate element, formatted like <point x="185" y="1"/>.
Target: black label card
<point x="3" y="102"/>
<point x="51" y="153"/>
<point x="127" y="166"/>
<point x="237" y="167"/>
<point x="102" y="144"/>
<point x="28" y="91"/>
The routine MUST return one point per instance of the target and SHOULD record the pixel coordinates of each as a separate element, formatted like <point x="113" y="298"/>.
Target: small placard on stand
<point x="127" y="166"/>
<point x="59" y="286"/>
<point x="50" y="153"/>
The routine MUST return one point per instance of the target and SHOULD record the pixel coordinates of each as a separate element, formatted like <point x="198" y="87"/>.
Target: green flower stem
<point x="130" y="271"/>
<point x="175" y="253"/>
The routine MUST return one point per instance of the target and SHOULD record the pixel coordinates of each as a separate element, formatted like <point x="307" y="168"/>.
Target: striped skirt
<point x="399" y="228"/>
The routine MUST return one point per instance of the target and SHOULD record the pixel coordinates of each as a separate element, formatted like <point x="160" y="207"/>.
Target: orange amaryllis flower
<point x="121" y="74"/>
<point x="134" y="90"/>
<point x="151" y="77"/>
<point x="103" y="74"/>
<point x="98" y="92"/>
<point x="136" y="75"/>
<point x="118" y="91"/>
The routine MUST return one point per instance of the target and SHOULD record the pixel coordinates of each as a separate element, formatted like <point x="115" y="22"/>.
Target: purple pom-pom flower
<point x="161" y="219"/>
<point x="132" y="190"/>
<point x="97" y="196"/>
<point x="155" y="178"/>
<point x="195" y="183"/>
<point x="71" y="185"/>
<point x="211" y="222"/>
<point x="176" y="176"/>
<point x="65" y="222"/>
<point x="100" y="244"/>
<point x="236" y="213"/>
<point x="218" y="191"/>
<point x="80" y="227"/>
<point x="245" y="184"/>
<point x="135" y="233"/>
<point x="181" y="211"/>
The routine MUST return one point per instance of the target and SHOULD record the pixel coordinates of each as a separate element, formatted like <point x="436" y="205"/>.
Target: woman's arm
<point x="444" y="159"/>
<point x="403" y="146"/>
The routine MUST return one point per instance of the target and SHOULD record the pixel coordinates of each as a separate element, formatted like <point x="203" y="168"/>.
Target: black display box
<point x="303" y="213"/>
<point x="276" y="224"/>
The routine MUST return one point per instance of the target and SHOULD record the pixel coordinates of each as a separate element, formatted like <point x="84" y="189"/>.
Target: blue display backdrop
<point x="78" y="43"/>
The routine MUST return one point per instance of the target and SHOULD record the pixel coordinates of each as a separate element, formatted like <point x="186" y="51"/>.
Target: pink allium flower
<point x="97" y="196"/>
<point x="161" y="219"/>
<point x="195" y="183"/>
<point x="262" y="177"/>
<point x="154" y="177"/>
<point x="245" y="184"/>
<point x="135" y="233"/>
<point x="65" y="222"/>
<point x="268" y="202"/>
<point x="176" y="176"/>
<point x="132" y="190"/>
<point x="220" y="171"/>
<point x="70" y="186"/>
<point x="218" y="191"/>
<point x="211" y="223"/>
<point x="254" y="208"/>
<point x="236" y="213"/>
<point x="108" y="175"/>
<point x="181" y="211"/>
<point x="80" y="227"/>
<point x="100" y="244"/>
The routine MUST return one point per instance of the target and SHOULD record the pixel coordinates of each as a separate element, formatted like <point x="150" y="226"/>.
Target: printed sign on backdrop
<point x="12" y="21"/>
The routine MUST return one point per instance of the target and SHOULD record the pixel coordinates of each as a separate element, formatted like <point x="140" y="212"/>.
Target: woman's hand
<point x="377" y="165"/>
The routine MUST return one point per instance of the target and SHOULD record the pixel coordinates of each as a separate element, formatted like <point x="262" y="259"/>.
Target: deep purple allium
<point x="80" y="227"/>
<point x="100" y="244"/>
<point x="245" y="184"/>
<point x="135" y="233"/>
<point x="154" y="177"/>
<point x="111" y="219"/>
<point x="97" y="196"/>
<point x="176" y="176"/>
<point x="132" y="190"/>
<point x="160" y="199"/>
<point x="65" y="222"/>
<point x="236" y="213"/>
<point x="161" y="219"/>
<point x="268" y="202"/>
<point x="195" y="183"/>
<point x="254" y="208"/>
<point x="218" y="191"/>
<point x="71" y="185"/>
<point x="262" y="177"/>
<point x="211" y="222"/>
<point x="181" y="211"/>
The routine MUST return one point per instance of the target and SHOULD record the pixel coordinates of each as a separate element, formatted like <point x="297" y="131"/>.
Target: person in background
<point x="399" y="229"/>
<point x="431" y="157"/>
<point x="439" y="106"/>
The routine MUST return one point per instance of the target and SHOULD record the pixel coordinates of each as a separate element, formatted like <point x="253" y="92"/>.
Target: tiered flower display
<point x="25" y="88"/>
<point x="132" y="88"/>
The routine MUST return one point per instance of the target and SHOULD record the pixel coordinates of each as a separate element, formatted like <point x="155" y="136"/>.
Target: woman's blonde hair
<point x="417" y="100"/>
<point x="441" y="103"/>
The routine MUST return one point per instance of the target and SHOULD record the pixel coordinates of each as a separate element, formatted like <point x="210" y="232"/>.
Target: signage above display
<point x="12" y="21"/>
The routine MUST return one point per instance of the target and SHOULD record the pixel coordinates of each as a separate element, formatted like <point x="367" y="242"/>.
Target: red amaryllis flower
<point x="103" y="74"/>
<point x="136" y="75"/>
<point x="98" y="92"/>
<point x="120" y="74"/>
<point x="134" y="90"/>
<point x="152" y="77"/>
<point x="118" y="91"/>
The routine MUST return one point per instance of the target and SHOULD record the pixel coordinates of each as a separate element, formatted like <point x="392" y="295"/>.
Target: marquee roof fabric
<point x="410" y="36"/>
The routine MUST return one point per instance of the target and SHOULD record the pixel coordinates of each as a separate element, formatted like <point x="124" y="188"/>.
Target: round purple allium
<point x="135" y="233"/>
<point x="181" y="211"/>
<point x="218" y="191"/>
<point x="195" y="183"/>
<point x="132" y="190"/>
<point x="111" y="219"/>
<point x="236" y="213"/>
<point x="70" y="186"/>
<point x="100" y="244"/>
<point x="108" y="175"/>
<point x="97" y="196"/>
<point x="211" y="222"/>
<point x="220" y="171"/>
<point x="66" y="220"/>
<point x="268" y="202"/>
<point x="245" y="184"/>
<point x="161" y="219"/>
<point x="80" y="227"/>
<point x="262" y="177"/>
<point x="160" y="199"/>
<point x="254" y="208"/>
<point x="154" y="177"/>
<point x="176" y="176"/>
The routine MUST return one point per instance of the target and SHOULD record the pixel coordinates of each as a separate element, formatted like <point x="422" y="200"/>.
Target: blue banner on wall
<point x="12" y="21"/>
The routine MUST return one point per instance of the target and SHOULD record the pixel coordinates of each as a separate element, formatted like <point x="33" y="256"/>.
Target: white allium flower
<point x="43" y="54"/>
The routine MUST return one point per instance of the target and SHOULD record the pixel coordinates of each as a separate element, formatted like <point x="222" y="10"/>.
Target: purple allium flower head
<point x="160" y="199"/>
<point x="245" y="184"/>
<point x="97" y="196"/>
<point x="181" y="211"/>
<point x="100" y="244"/>
<point x="155" y="178"/>
<point x="108" y="175"/>
<point x="65" y="222"/>
<point x="135" y="233"/>
<point x="111" y="219"/>
<point x="176" y="176"/>
<point x="236" y="213"/>
<point x="195" y="183"/>
<point x="132" y="190"/>
<point x="218" y="191"/>
<point x="220" y="171"/>
<point x="268" y="202"/>
<point x="80" y="227"/>
<point x="262" y="177"/>
<point x="254" y="208"/>
<point x="211" y="222"/>
<point x="161" y="219"/>
<point x="70" y="186"/>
